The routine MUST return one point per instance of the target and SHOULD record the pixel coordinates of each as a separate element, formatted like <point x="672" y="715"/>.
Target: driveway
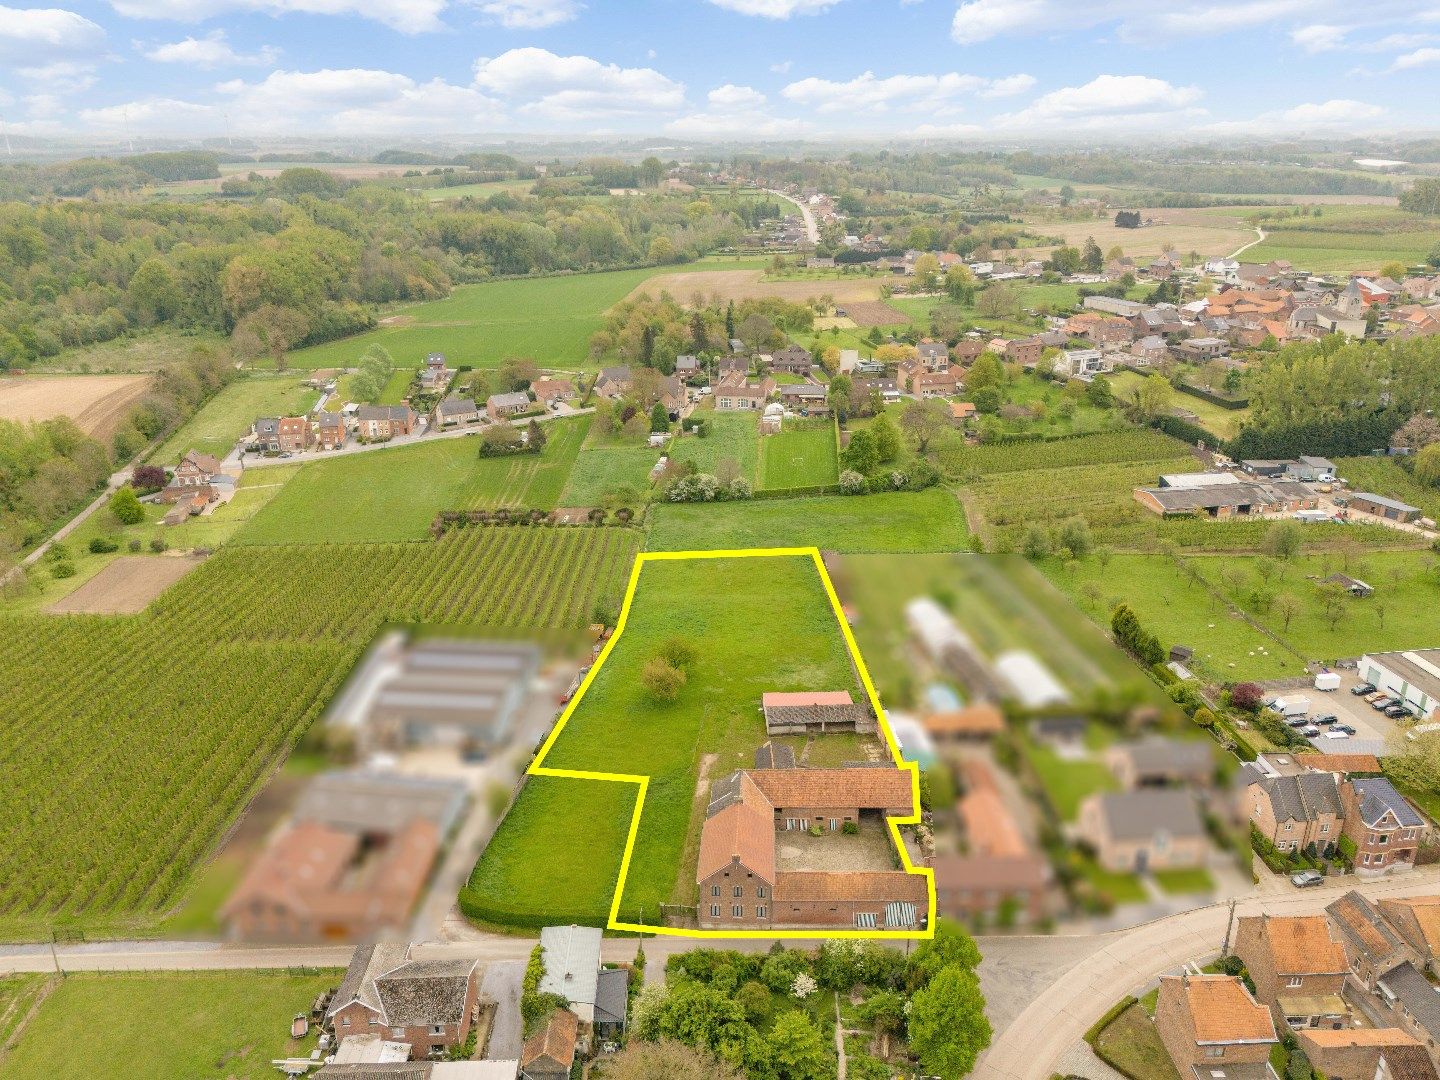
<point x="502" y="984"/>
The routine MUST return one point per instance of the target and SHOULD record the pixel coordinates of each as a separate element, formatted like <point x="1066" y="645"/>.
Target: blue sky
<point x="716" y="69"/>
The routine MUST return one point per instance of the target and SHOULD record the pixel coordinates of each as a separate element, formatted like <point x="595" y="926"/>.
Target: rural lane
<point x="1028" y="1047"/>
<point x="116" y="480"/>
<point x="812" y="231"/>
<point x="1259" y="239"/>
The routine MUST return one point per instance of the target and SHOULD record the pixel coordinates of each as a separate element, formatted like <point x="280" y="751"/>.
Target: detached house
<point x="1143" y="830"/>
<point x="613" y="382"/>
<point x="934" y="355"/>
<point x="1385" y="828"/>
<point x="1293" y="812"/>
<point x="501" y="406"/>
<point x="792" y="360"/>
<point x="1297" y="966"/>
<point x="195" y="470"/>
<point x="735" y="394"/>
<point x="330" y="431"/>
<point x="429" y="1004"/>
<point x="265" y="434"/>
<point x="456" y="410"/>
<point x="1209" y="1024"/>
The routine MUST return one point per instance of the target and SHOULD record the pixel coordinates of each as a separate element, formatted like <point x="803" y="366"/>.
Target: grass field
<point x="1349" y="238"/>
<point x="618" y="727"/>
<point x="18" y="995"/>
<point x="152" y="351"/>
<point x="396" y="387"/>
<point x="168" y="1026"/>
<point x="802" y="455"/>
<point x="476" y="191"/>
<point x="228" y="415"/>
<point x="1224" y="423"/>
<point x="1131" y="1041"/>
<point x="893" y="521"/>
<point x="733" y="435"/>
<point x="1384" y="477"/>
<point x="549" y="320"/>
<point x="395" y="494"/>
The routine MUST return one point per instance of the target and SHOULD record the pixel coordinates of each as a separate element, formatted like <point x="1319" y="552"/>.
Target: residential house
<point x="1417" y="920"/>
<point x="429" y="1004"/>
<point x="673" y="394"/>
<point x="1149" y="829"/>
<point x="1354" y="1053"/>
<point x="384" y="421"/>
<point x="293" y="433"/>
<point x="1198" y="350"/>
<point x="1211" y="1024"/>
<point x="265" y="434"/>
<point x="1406" y="1063"/>
<point x="456" y="410"/>
<point x="1415" y="1004"/>
<point x="731" y="396"/>
<point x="549" y="391"/>
<point x="1298" y="968"/>
<point x="435" y="376"/>
<point x="1384" y="827"/>
<point x="930" y="384"/>
<point x="1082" y="364"/>
<point x="961" y="411"/>
<point x="1371" y="945"/>
<point x="1162" y="762"/>
<point x="330" y="431"/>
<point x="967" y="350"/>
<point x="809" y="399"/>
<point x="1023" y="351"/>
<point x="502" y="406"/>
<point x="935" y="355"/>
<point x="549" y="1054"/>
<point x="598" y="996"/>
<point x="1150" y="349"/>
<point x="792" y="360"/>
<point x="613" y="382"/>
<point x="687" y="367"/>
<point x="195" y="470"/>
<point x="1293" y="812"/>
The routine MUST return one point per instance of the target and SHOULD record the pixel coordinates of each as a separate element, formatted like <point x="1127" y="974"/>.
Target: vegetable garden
<point x="133" y="740"/>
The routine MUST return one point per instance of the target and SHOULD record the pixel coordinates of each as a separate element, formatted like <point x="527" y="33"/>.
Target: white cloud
<point x="869" y="93"/>
<point x="160" y="115"/>
<point x="776" y="9"/>
<point x="39" y="36"/>
<point x="356" y="100"/>
<point x="783" y="67"/>
<point x="1338" y="114"/>
<point x="1138" y="21"/>
<point x="981" y="20"/>
<point x="1320" y="37"/>
<point x="1009" y="86"/>
<point x="211" y="51"/>
<point x="735" y="110"/>
<point x="407" y="16"/>
<point x="576" y="88"/>
<point x="1418" y="58"/>
<point x="531" y="14"/>
<point x="1129" y="99"/>
<point x="61" y="76"/>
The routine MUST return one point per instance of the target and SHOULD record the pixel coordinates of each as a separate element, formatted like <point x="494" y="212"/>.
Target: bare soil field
<point x="97" y="403"/>
<point x="127" y="585"/>
<point x="874" y="313"/>
<point x="745" y="284"/>
<point x="1188" y="230"/>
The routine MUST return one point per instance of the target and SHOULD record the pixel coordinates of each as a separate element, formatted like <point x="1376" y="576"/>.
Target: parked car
<point x="1344" y="729"/>
<point x="1306" y="878"/>
<point x="1310" y="731"/>
<point x="1298" y="721"/>
<point x="1381" y="704"/>
<point x="1395" y="712"/>
<point x="1362" y="689"/>
<point x="1336" y="733"/>
<point x="1327" y="719"/>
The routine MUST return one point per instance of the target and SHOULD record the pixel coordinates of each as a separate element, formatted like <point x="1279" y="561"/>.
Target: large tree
<point x="923" y="421"/>
<point x="948" y="1028"/>
<point x="667" y="1060"/>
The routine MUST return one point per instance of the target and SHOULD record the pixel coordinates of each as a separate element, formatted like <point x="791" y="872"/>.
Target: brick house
<point x="1023" y="351"/>
<point x="933" y="384"/>
<point x="1417" y="920"/>
<point x="549" y="1054"/>
<point x="551" y="390"/>
<point x="792" y="360"/>
<point x="330" y="431"/>
<point x="1298" y="968"/>
<point x="1385" y="829"/>
<point x="1144" y="830"/>
<point x="293" y="433"/>
<point x="734" y="395"/>
<point x="1161" y="762"/>
<point x="429" y="1004"/>
<point x="976" y="886"/>
<point x="1293" y="812"/>
<point x="1415" y="1005"/>
<point x="501" y="406"/>
<point x="1371" y="945"/>
<point x="934" y="355"/>
<point x="265" y="433"/>
<point x="195" y="470"/>
<point x="809" y="398"/>
<point x="1354" y="1053"/>
<point x="456" y="410"/>
<point x="613" y="382"/>
<point x="384" y="421"/>
<point x="967" y="350"/>
<point x="1210" y="1021"/>
<point x="1405" y="1063"/>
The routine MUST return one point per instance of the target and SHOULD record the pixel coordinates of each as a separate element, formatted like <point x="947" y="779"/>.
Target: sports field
<point x="228" y="415"/>
<point x="800" y="456"/>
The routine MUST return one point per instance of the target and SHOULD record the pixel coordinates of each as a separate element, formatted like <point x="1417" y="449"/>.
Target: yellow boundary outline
<point x="643" y="782"/>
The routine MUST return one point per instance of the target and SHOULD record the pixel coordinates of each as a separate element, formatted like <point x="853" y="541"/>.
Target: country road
<point x="1259" y="239"/>
<point x="812" y="231"/>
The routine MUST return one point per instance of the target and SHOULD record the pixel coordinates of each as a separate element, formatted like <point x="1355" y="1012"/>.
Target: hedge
<point x="1111" y="1015"/>
<point x="1185" y="431"/>
<point x="1212" y="397"/>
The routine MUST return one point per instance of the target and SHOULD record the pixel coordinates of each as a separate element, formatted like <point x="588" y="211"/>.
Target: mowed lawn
<point x="802" y="455"/>
<point x="167" y="1026"/>
<point x="618" y="727"/>
<point x="394" y="494"/>
<point x="929" y="520"/>
<point x="734" y="436"/>
<point x="229" y="414"/>
<point x="549" y="320"/>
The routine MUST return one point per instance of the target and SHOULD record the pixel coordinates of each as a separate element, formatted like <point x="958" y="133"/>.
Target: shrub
<point x="662" y="680"/>
<point x="679" y="654"/>
<point x="102" y="545"/>
<point x="126" y="506"/>
<point x="62" y="570"/>
<point x="850" y="828"/>
<point x="158" y="545"/>
<point x="852" y="483"/>
<point x="134" y="545"/>
<point x="1247" y="696"/>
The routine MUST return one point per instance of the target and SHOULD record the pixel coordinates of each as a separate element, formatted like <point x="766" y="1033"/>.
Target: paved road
<point x="1047" y="1029"/>
<point x="812" y="231"/>
<point x="502" y="983"/>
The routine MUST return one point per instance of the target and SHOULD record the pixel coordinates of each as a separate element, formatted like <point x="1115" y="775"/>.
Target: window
<point x="738" y="911"/>
<point x="397" y="1033"/>
<point x="1365" y="858"/>
<point x="1295" y="981"/>
<point x="714" y="890"/>
<point x="1324" y="829"/>
<point x="760" y="891"/>
<point x="760" y="912"/>
<point x="738" y="891"/>
<point x="865" y="920"/>
<point x="834" y="824"/>
<point x="437" y="1029"/>
<point x="1384" y="839"/>
<point x="714" y="911"/>
<point x="1287" y="826"/>
<point x="1214" y="1051"/>
<point x="345" y="1021"/>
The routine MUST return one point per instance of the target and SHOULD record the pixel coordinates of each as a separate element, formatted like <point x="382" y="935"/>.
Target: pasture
<point x="97" y="403"/>
<point x="1220" y="422"/>
<point x="227" y="1025"/>
<point x="394" y="493"/>
<point x="928" y="520"/>
<point x="130" y="774"/>
<point x="619" y="727"/>
<point x="802" y="455"/>
<point x="747" y="284"/>
<point x="1211" y="232"/>
<point x="1347" y="238"/>
<point x="734" y="437"/>
<point x="228" y="415"/>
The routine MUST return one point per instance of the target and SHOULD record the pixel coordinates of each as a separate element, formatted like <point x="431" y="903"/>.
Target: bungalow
<point x="1298" y="968"/>
<point x="456" y="410"/>
<point x="430" y="1005"/>
<point x="1161" y="762"/>
<point x="1144" y="830"/>
<point x="1384" y="827"/>
<point x="500" y="406"/>
<point x="384" y="421"/>
<point x="810" y="399"/>
<point x="572" y="968"/>
<point x="613" y="382"/>
<point x="330" y="431"/>
<point x="548" y="391"/>
<point x="1211" y="1024"/>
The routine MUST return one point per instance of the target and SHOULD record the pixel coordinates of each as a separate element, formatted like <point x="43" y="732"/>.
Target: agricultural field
<point x="168" y="1025"/>
<point x="1221" y="422"/>
<point x="221" y="421"/>
<point x="747" y="284"/>
<point x="1208" y="233"/>
<point x="18" y="995"/>
<point x="802" y="455"/>
<point x="929" y="520"/>
<point x="476" y="191"/>
<point x="966" y="463"/>
<point x="130" y="774"/>
<point x="1349" y="238"/>
<point x="125" y="586"/>
<point x="549" y="320"/>
<point x="394" y="494"/>
<point x="619" y="727"/>
<point x="97" y="403"/>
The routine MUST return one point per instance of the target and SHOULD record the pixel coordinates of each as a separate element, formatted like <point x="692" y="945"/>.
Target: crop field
<point x="964" y="463"/>
<point x="125" y="586"/>
<point x="394" y="494"/>
<point x="476" y="191"/>
<point x="1349" y="238"/>
<point x="618" y="727"/>
<point x="227" y="1025"/>
<point x="128" y="773"/>
<point x="549" y="320"/>
<point x="1207" y="233"/>
<point x="228" y="415"/>
<point x="868" y="313"/>
<point x="748" y="284"/>
<point x="802" y="455"/>
<point x="929" y="520"/>
<point x="97" y="403"/>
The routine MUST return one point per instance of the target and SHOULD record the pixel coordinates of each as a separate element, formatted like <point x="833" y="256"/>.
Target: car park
<point x="1306" y="879"/>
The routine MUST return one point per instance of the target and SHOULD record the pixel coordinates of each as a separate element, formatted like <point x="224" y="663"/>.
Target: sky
<point x="697" y="70"/>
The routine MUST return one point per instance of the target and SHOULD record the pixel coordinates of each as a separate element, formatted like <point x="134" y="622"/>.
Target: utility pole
<point x="55" y="956"/>
<point x="1229" y="921"/>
